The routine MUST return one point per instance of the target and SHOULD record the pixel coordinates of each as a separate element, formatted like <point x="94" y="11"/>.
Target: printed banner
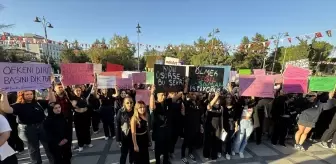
<point x="168" y="78"/>
<point x="97" y="68"/>
<point x="172" y="61"/>
<point x="139" y="78"/>
<point x="298" y="85"/>
<point x="24" y="76"/>
<point x="295" y="72"/>
<point x="106" y="81"/>
<point x="114" y="67"/>
<point x="142" y="95"/>
<point x="322" y="83"/>
<point x="245" y="72"/>
<point x="205" y="79"/>
<point x="149" y="77"/>
<point x="77" y="73"/>
<point x="258" y="86"/>
<point x="259" y="72"/>
<point x="124" y="83"/>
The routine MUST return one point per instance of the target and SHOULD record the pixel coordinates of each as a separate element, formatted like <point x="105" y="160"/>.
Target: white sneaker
<point x="80" y="149"/>
<point x="219" y="155"/>
<point x="96" y="132"/>
<point x="89" y="145"/>
<point x="114" y="137"/>
<point x="106" y="138"/>
<point x="241" y="155"/>
<point x="228" y="157"/>
<point x="233" y="153"/>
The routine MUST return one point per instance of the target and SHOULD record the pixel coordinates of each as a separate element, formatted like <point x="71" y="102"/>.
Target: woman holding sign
<point x="31" y="115"/>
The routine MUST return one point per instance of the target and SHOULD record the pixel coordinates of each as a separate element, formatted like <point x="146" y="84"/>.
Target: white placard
<point x="97" y="68"/>
<point x="172" y="61"/>
<point x="106" y="81"/>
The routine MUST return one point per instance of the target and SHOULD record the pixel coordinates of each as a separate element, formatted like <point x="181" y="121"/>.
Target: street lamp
<point x="45" y="25"/>
<point x="212" y="36"/>
<point x="277" y="38"/>
<point x="138" y="31"/>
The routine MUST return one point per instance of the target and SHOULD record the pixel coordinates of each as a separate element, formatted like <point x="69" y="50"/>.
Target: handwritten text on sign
<point x="206" y="79"/>
<point x="168" y="78"/>
<point x="77" y="73"/>
<point x="106" y="81"/>
<point x="23" y="76"/>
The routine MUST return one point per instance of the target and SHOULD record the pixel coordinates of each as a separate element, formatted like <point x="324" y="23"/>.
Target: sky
<point x="169" y="21"/>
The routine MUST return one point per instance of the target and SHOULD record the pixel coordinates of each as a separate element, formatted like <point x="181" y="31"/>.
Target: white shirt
<point x="5" y="149"/>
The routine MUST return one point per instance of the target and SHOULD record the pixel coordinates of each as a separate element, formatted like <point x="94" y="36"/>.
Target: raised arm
<point x="152" y="99"/>
<point x="116" y="92"/>
<point x="51" y="95"/>
<point x="213" y="101"/>
<point x="4" y="103"/>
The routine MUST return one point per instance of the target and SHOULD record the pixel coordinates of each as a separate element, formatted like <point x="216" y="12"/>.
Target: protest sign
<point x="117" y="74"/>
<point x="226" y="76"/>
<point x="172" y="61"/>
<point x="295" y="72"/>
<point x="259" y="72"/>
<point x="142" y="95"/>
<point x="169" y="78"/>
<point x="124" y="83"/>
<point x="97" y="68"/>
<point x="149" y="77"/>
<point x="128" y="74"/>
<point x="77" y="73"/>
<point x="295" y="85"/>
<point x="106" y="81"/>
<point x="322" y="83"/>
<point x="205" y="79"/>
<point x="258" y="86"/>
<point x="114" y="67"/>
<point x="139" y="78"/>
<point x="245" y="72"/>
<point x="24" y="76"/>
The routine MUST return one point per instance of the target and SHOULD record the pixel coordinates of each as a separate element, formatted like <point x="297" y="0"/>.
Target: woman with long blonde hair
<point x="140" y="133"/>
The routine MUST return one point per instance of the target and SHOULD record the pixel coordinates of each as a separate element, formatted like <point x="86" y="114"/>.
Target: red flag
<point x="289" y="40"/>
<point x="114" y="67"/>
<point x="329" y="33"/>
<point x="318" y="35"/>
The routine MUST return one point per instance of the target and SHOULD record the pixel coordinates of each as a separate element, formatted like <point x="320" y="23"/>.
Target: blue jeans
<point x="243" y="134"/>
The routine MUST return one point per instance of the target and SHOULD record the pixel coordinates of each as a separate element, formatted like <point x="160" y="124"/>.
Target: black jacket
<point x="123" y="124"/>
<point x="55" y="127"/>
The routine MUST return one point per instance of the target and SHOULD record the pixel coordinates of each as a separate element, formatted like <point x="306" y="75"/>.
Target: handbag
<point x="223" y="133"/>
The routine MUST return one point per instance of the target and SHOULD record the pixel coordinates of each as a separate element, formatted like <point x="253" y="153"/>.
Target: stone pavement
<point x="107" y="152"/>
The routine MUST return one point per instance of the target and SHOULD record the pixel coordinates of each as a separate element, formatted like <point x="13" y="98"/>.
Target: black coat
<point x="55" y="127"/>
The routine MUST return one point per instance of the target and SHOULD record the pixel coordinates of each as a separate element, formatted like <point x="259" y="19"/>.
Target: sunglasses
<point x="129" y="102"/>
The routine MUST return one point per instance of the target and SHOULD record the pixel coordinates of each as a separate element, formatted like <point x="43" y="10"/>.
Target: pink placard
<point x="259" y="71"/>
<point x="142" y="95"/>
<point x="258" y="86"/>
<point x="77" y="73"/>
<point x="296" y="72"/>
<point x="139" y="78"/>
<point x="124" y="83"/>
<point x="297" y="85"/>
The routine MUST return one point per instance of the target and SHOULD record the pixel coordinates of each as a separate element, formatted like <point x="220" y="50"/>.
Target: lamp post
<point x="212" y="36"/>
<point x="138" y="31"/>
<point x="45" y="25"/>
<point x="277" y="38"/>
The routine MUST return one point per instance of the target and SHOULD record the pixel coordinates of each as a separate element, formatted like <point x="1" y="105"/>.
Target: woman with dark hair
<point x="309" y="117"/>
<point x="31" y="114"/>
<point x="212" y="129"/>
<point x="7" y="154"/>
<point x="81" y="119"/>
<point x="59" y="139"/>
<point x="123" y="128"/>
<point x="140" y="133"/>
<point x="230" y="117"/>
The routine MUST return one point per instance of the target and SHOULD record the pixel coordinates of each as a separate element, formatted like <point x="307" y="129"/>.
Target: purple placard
<point x="24" y="76"/>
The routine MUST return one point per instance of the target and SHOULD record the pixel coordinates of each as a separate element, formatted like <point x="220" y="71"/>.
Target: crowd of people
<point x="221" y="123"/>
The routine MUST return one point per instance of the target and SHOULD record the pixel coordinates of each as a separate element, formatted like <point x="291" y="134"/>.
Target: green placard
<point x="322" y="83"/>
<point x="149" y="77"/>
<point x="245" y="72"/>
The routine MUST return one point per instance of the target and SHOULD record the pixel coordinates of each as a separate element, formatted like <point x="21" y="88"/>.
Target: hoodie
<point x="55" y="125"/>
